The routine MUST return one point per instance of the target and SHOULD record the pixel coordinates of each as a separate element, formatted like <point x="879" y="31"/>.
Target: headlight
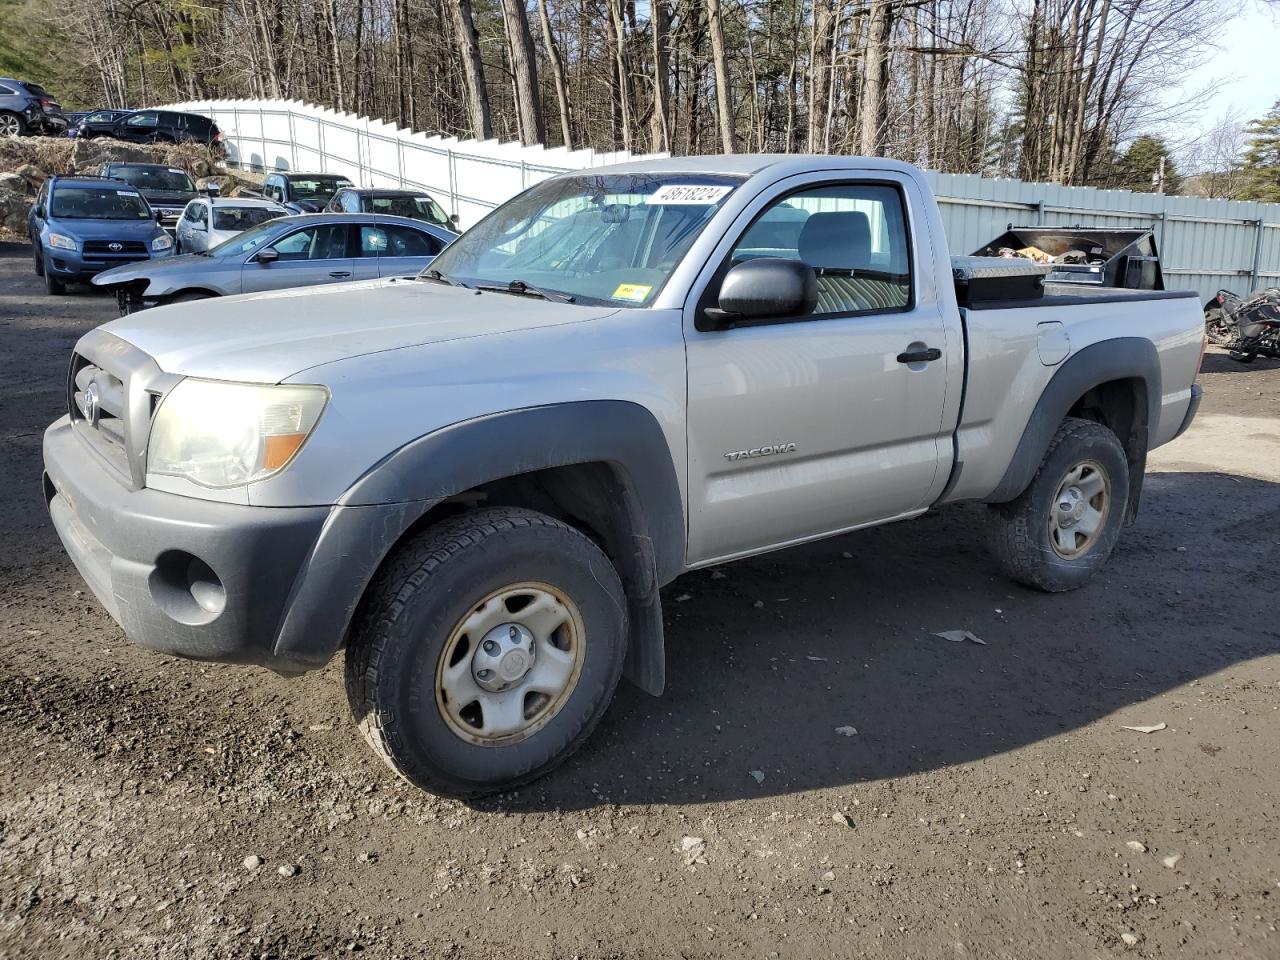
<point x="60" y="242"/>
<point x="162" y="243"/>
<point x="221" y="434"/>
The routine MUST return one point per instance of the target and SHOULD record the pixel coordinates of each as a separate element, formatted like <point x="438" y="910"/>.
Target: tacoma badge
<point x="768" y="450"/>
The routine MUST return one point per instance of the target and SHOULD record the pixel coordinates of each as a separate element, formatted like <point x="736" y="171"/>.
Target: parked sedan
<point x="99" y="123"/>
<point x="209" y="221"/>
<point x="296" y="251"/>
<point x="414" y="204"/>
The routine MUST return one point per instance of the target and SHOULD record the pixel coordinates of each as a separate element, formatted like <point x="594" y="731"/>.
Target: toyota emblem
<point x="91" y="404"/>
<point x="115" y="247"/>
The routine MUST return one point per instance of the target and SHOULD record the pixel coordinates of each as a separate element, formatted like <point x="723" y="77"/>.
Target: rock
<point x="847" y="731"/>
<point x="289" y="870"/>
<point x="694" y="850"/>
<point x="1172" y="860"/>
<point x="252" y="862"/>
<point x="14" y="183"/>
<point x="1130" y="940"/>
<point x="14" y="209"/>
<point x="1136" y="847"/>
<point x="843" y="819"/>
<point x="757" y="776"/>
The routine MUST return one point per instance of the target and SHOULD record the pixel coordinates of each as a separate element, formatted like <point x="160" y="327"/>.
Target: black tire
<point x="419" y="601"/>
<point x="12" y="124"/>
<point x="1023" y="542"/>
<point x="37" y="261"/>
<point x="1243" y="356"/>
<point x="52" y="285"/>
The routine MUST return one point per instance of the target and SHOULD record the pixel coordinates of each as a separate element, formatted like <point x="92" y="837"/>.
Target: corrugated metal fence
<point x="1204" y="244"/>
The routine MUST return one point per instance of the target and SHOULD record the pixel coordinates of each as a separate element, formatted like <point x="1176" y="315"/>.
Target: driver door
<point x="804" y="426"/>
<point x="308" y="256"/>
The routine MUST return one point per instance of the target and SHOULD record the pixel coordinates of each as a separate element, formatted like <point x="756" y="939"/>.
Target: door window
<point x="854" y="236"/>
<point x="325" y="242"/>
<point x="145" y="119"/>
<point x="407" y="242"/>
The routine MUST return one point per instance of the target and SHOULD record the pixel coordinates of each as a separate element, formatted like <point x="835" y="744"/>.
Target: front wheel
<point x="52" y="285"/>
<point x="486" y="651"/>
<point x="1060" y="531"/>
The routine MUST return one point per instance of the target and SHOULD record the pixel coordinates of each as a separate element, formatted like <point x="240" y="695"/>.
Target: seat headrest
<point x="839" y="240"/>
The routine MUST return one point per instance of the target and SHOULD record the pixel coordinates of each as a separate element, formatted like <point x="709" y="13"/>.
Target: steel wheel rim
<point x="510" y="704"/>
<point x="8" y="126"/>
<point x="1079" y="511"/>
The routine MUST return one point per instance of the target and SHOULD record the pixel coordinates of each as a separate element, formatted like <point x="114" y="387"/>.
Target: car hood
<point x="151" y="269"/>
<point x="171" y="197"/>
<point x="269" y="337"/>
<point x="106" y="229"/>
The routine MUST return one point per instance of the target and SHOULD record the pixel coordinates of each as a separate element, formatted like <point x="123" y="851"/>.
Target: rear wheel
<point x="12" y="124"/>
<point x="486" y="651"/>
<point x="1060" y="531"/>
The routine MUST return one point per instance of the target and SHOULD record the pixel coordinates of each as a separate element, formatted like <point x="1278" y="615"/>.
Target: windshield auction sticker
<point x="634" y="292"/>
<point x="688" y="194"/>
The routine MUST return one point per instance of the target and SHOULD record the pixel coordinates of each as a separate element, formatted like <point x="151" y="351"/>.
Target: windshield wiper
<point x="520" y="288"/>
<point x="439" y="277"/>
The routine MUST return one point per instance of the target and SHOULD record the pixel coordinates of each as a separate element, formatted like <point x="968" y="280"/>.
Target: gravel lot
<point x="991" y="803"/>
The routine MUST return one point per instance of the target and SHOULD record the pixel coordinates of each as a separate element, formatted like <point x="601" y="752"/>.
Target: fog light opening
<point x="187" y="589"/>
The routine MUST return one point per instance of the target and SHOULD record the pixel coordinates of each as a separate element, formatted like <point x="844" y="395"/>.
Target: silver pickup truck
<point x="477" y="480"/>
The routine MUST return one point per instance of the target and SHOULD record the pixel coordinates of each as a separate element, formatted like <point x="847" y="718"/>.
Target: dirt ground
<point x="991" y="803"/>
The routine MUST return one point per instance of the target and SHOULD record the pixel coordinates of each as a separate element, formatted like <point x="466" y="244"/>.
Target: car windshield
<point x="98" y="203"/>
<point x="249" y="240"/>
<point x="316" y="188"/>
<point x="415" y="208"/>
<point x="169" y="179"/>
<point x="611" y="239"/>
<point x="242" y="218"/>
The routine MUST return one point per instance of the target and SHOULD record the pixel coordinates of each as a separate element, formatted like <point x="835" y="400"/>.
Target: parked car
<point x="294" y="251"/>
<point x="26" y="108"/>
<point x="80" y="226"/>
<point x="303" y="192"/>
<point x="476" y="482"/>
<point x="414" y="204"/>
<point x="209" y="221"/>
<point x="99" y="123"/>
<point x="166" y="126"/>
<point x="167" y="189"/>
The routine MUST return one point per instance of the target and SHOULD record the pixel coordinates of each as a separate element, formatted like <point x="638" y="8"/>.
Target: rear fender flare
<point x="1122" y="358"/>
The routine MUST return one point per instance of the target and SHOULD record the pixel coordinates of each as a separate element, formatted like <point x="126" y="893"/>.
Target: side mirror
<point x="770" y="287"/>
<point x="453" y="221"/>
<point x="159" y="217"/>
<point x="267" y="257"/>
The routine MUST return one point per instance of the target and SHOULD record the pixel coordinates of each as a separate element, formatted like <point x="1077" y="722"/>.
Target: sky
<point x="1247" y="61"/>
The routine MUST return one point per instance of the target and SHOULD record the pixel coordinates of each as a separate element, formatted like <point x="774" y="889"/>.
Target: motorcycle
<point x="1247" y="327"/>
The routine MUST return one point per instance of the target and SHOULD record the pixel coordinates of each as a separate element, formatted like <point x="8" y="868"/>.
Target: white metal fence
<point x="1203" y="244"/>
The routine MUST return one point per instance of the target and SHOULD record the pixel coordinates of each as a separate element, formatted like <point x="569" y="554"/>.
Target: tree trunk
<point x="874" y="79"/>
<point x="660" y="133"/>
<point x="557" y="72"/>
<point x="524" y="66"/>
<point x="724" y="89"/>
<point x="472" y="69"/>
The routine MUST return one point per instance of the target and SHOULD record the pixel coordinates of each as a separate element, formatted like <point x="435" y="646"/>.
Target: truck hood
<point x="269" y="337"/>
<point x="106" y="229"/>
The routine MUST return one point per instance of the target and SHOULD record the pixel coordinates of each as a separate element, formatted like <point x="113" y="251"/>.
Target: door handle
<point x="339" y="274"/>
<point x="920" y="356"/>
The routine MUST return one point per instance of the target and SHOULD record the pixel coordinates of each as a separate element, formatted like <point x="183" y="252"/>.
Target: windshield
<point x="599" y="239"/>
<point x="242" y="218"/>
<point x="98" y="203"/>
<point x="316" y="188"/>
<point x="169" y="179"/>
<point x="415" y="208"/>
<point x="244" y="242"/>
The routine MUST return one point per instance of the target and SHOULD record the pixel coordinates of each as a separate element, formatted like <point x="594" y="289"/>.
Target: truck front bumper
<point x="271" y="586"/>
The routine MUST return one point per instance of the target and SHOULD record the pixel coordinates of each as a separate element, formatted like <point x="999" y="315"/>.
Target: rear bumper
<point x="1197" y="392"/>
<point x="273" y="586"/>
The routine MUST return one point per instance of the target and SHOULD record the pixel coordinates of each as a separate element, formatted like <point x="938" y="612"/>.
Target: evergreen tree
<point x="1262" y="158"/>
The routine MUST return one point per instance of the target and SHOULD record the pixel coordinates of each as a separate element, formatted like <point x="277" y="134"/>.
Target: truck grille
<point x="98" y="409"/>
<point x="112" y="253"/>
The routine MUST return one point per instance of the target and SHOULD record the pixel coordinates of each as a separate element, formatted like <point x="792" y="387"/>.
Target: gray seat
<point x="838" y="246"/>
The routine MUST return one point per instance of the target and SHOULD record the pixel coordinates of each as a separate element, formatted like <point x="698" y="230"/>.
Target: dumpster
<point x="1090" y="256"/>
